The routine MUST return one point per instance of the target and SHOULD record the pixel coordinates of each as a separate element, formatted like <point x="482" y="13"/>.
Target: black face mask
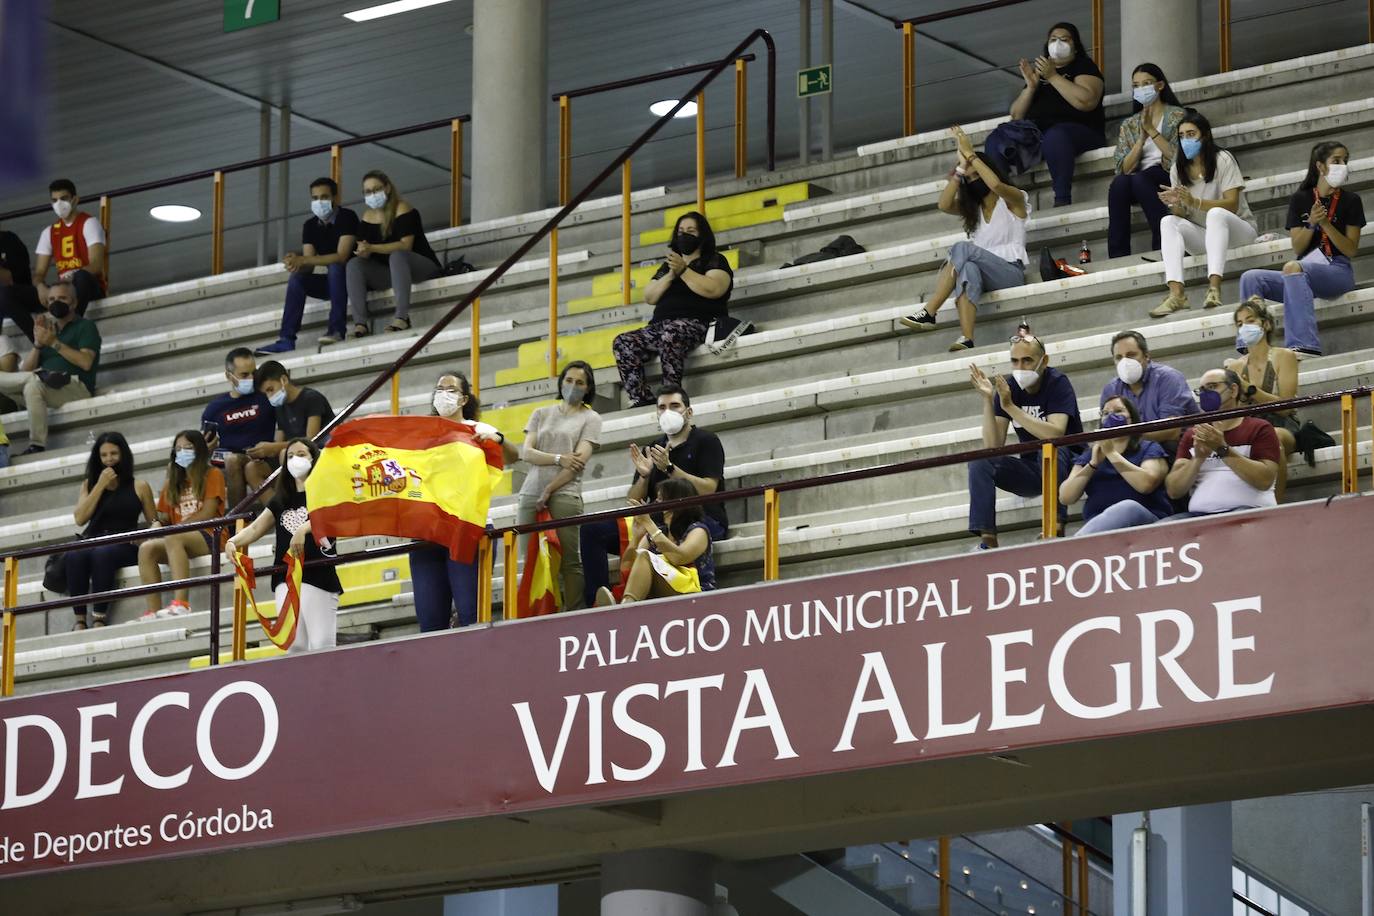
<point x="978" y="188"/>
<point x="684" y="243"/>
<point x="59" y="310"/>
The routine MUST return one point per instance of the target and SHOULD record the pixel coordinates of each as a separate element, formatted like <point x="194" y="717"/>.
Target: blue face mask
<point x="184" y="457"/>
<point x="1209" y="400"/>
<point x="1144" y="94"/>
<point x="1113" y="420"/>
<point x="1247" y="336"/>
<point x="243" y="385"/>
<point x="278" y="398"/>
<point x="1191" y="146"/>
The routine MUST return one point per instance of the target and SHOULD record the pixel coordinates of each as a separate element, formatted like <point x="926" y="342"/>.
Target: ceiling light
<point x="659" y="109"/>
<point x="174" y="213"/>
<point x="390" y="9"/>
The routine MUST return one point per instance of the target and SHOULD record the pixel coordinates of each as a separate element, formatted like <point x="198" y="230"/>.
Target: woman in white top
<point x="1208" y="212"/>
<point x="994" y="213"/>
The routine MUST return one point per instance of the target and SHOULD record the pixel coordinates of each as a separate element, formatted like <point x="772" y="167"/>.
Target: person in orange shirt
<point x="194" y="492"/>
<point x="74" y="244"/>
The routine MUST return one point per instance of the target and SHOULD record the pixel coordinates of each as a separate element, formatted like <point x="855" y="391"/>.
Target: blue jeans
<point x="978" y="271"/>
<point x="1319" y="277"/>
<point x="4" y="456"/>
<point x="1012" y="473"/>
<point x="329" y="285"/>
<point x="1138" y="188"/>
<point x="1059" y="147"/>
<point x="441" y="585"/>
<point x="601" y="540"/>
<point x="1126" y="514"/>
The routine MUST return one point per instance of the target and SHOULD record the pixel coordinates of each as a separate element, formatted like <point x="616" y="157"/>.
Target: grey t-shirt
<point x="550" y="430"/>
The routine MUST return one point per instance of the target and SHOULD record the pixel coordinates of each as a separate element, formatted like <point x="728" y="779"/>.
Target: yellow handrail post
<point x="1349" y="446"/>
<point x="701" y="153"/>
<point x="742" y="117"/>
<point x="217" y="225"/>
<point x="1066" y="853"/>
<point x="944" y="876"/>
<point x="1099" y="40"/>
<point x="336" y="163"/>
<point x="484" y="572"/>
<point x="508" y="605"/>
<point x="553" y="304"/>
<point x="625" y="233"/>
<point x="10" y="626"/>
<point x="1049" y="490"/>
<point x="1224" y="36"/>
<point x="455" y="204"/>
<point x="475" y="371"/>
<point x="770" y="535"/>
<point x="564" y="149"/>
<point x="908" y="79"/>
<point x="1083" y="880"/>
<point x="396" y="393"/>
<point x="106" y="208"/>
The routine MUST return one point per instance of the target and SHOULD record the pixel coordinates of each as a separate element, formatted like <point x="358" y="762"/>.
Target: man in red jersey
<point x="74" y="245"/>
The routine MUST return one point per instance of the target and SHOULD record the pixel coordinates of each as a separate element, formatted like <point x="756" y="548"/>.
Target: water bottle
<point x="90" y="438"/>
<point x="1023" y="329"/>
<point x="1085" y="255"/>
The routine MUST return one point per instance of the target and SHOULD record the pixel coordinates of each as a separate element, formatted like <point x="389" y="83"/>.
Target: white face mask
<point x="63" y="208"/>
<point x="1060" y="50"/>
<point x="671" y="422"/>
<point x="446" y="403"/>
<point x="299" y="466"/>
<point x="1337" y="173"/>
<point x="376" y="200"/>
<point x="1026" y="378"/>
<point x="1129" y="370"/>
<point x="321" y="208"/>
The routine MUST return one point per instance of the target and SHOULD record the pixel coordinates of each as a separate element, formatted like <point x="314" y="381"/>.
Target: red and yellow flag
<point x="416" y="477"/>
<point x="538" y="593"/>
<point x="281" y="630"/>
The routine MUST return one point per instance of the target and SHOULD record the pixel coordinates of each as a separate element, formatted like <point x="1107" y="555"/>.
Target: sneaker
<point x="921" y="321"/>
<point x="332" y="337"/>
<point x="980" y="546"/>
<point x="1212" y="299"/>
<point x="177" y="608"/>
<point x="604" y="597"/>
<point x="1170" y="305"/>
<point x="281" y="346"/>
<point x="963" y="343"/>
<point x="78" y="625"/>
<point x="34" y="449"/>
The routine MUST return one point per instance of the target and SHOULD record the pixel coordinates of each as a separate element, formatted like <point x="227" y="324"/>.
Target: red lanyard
<point x="1330" y="212"/>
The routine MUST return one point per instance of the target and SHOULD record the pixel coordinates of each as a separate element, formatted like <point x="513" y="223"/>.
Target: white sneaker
<point x="175" y="609"/>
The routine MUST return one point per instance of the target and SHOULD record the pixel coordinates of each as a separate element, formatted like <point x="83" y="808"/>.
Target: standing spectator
<point x="1123" y="477"/>
<point x="75" y="245"/>
<point x="193" y="492"/>
<point x="1267" y="374"/>
<point x="445" y="589"/>
<point x="994" y="257"/>
<point x="317" y="621"/>
<point x="18" y="296"/>
<point x="111" y="501"/>
<point x="60" y="368"/>
<point x="1038" y="401"/>
<point x="1208" y="212"/>
<point x="240" y="426"/>
<point x="301" y="412"/>
<point x="327" y="240"/>
<point x="675" y="561"/>
<point x="1229" y="464"/>
<point x="1324" y="222"/>
<point x="559" y="440"/>
<point x="685" y="451"/>
<point x="690" y="289"/>
<point x="392" y="252"/>
<point x="1144" y="155"/>
<point x="1063" y="99"/>
<point x="1159" y="392"/>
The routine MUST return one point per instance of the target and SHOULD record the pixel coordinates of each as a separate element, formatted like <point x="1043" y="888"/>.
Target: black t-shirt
<point x="325" y="236"/>
<point x="291" y="418"/>
<point x="290" y="514"/>
<point x="407" y="223"/>
<point x="1349" y="211"/>
<point x="244" y="421"/>
<point x="14" y="257"/>
<point x="678" y="300"/>
<point x="1049" y="108"/>
<point x="700" y="455"/>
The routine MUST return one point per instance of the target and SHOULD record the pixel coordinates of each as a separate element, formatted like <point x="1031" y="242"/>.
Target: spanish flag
<point x="281" y="630"/>
<point x="538" y="593"/>
<point x="426" y="478"/>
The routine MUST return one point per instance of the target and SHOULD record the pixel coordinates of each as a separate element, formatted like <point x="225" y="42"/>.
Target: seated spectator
<point x="74" y="245"/>
<point x="392" y="252"/>
<point x="317" y="622"/>
<point x="327" y="240"/>
<point x="1160" y="392"/>
<point x="9" y="362"/>
<point x="240" y="427"/>
<point x="60" y="368"/>
<point x="1038" y="401"/>
<point x="690" y="289"/>
<point x="684" y="452"/>
<point x="1324" y="223"/>
<point x="18" y="296"/>
<point x="677" y="561"/>
<point x="301" y="412"/>
<point x="445" y="589"/>
<point x="1229" y="464"/>
<point x="4" y="448"/>
<point x="559" y="441"/>
<point x="1208" y="212"/>
<point x="1144" y="155"/>
<point x="111" y="501"/>
<point x="994" y="213"/>
<point x="1123" y="478"/>
<point x="1267" y="374"/>
<point x="1063" y="100"/>
<point x="193" y="492"/>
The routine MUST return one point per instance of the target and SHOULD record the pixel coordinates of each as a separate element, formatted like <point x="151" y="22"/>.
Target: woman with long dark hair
<point x="1324" y="223"/>
<point x="691" y="288"/>
<point x="1123" y="477"/>
<point x="1208" y="213"/>
<point x="994" y="212"/>
<point x="111" y="501"/>
<point x="1144" y="155"/>
<point x="193" y="492"/>
<point x="392" y="253"/>
<point x="678" y="561"/>
<point x="1267" y="374"/>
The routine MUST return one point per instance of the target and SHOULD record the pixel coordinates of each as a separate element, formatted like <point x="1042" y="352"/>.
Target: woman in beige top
<point x="1267" y="374"/>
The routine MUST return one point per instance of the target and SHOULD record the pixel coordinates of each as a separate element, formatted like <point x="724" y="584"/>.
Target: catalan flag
<point x="538" y="593"/>
<point x="281" y="630"/>
<point x="416" y="477"/>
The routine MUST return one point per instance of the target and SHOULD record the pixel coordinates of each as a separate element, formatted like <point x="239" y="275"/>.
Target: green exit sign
<point x="242" y="14"/>
<point x="813" y="81"/>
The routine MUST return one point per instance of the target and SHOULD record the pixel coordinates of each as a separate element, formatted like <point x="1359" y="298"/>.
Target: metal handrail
<point x="122" y="538"/>
<point x="639" y="80"/>
<point x="1224" y="20"/>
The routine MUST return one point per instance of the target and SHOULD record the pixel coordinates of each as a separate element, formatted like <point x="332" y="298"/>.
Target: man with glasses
<point x="1225" y="465"/>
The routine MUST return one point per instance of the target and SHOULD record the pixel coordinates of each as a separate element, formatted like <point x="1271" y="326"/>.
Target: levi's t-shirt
<point x="243" y="421"/>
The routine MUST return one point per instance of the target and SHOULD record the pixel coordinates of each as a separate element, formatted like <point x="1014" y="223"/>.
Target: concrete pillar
<point x="540" y="900"/>
<point x="510" y="106"/>
<point x="657" y="882"/>
<point x="1189" y="861"/>
<point x="1162" y="32"/>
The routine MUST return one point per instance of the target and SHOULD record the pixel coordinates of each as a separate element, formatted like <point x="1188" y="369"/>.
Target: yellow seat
<point x="606" y="287"/>
<point x="733" y="212"/>
<point x="593" y="346"/>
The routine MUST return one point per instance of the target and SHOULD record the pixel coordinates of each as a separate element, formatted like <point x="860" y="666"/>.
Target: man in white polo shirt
<point x="1225" y="465"/>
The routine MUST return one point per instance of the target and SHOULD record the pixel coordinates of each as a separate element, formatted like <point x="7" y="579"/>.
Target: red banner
<point x="1153" y="628"/>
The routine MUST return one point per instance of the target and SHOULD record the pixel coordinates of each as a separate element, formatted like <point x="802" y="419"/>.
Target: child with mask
<point x="559" y="440"/>
<point x="193" y="492"/>
<point x="1324" y="222"/>
<point x="317" y="620"/>
<point x="301" y="411"/>
<point x="1123" y="478"/>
